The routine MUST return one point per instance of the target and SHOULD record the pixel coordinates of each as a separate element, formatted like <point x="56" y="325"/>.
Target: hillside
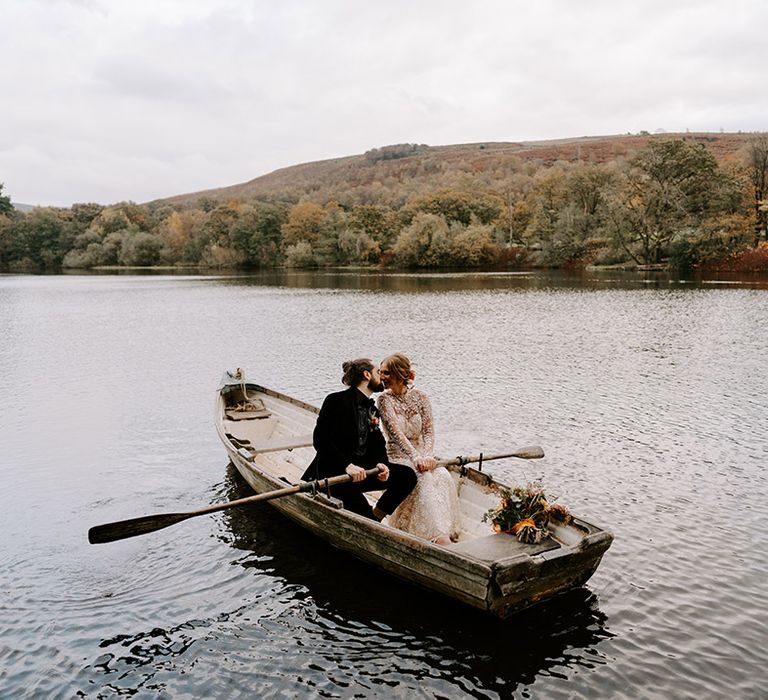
<point x="365" y="178"/>
<point x="687" y="200"/>
<point x="18" y="206"/>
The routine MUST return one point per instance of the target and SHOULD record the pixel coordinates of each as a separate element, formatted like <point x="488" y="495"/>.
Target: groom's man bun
<point x="353" y="370"/>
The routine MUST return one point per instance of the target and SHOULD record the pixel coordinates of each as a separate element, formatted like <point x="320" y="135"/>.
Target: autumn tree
<point x="356" y="246"/>
<point x="375" y="221"/>
<point x="299" y="254"/>
<point x="757" y="162"/>
<point x="548" y="199"/>
<point x="423" y="243"/>
<point x="219" y="223"/>
<point x="459" y="205"/>
<point x="515" y="192"/>
<point x="303" y="223"/>
<point x="178" y="233"/>
<point x="471" y="246"/>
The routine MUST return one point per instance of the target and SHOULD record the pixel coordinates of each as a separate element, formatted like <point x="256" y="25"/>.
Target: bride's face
<point x="389" y="380"/>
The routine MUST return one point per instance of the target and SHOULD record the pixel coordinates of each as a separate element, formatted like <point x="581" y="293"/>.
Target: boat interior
<point x="276" y="432"/>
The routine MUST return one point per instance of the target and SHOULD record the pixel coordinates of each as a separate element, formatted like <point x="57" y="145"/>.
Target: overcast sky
<point x="109" y="100"/>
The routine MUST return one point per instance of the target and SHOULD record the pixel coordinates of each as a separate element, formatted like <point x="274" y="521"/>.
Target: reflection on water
<point x="440" y="281"/>
<point x="451" y="639"/>
<point x="372" y="279"/>
<point x="363" y="627"/>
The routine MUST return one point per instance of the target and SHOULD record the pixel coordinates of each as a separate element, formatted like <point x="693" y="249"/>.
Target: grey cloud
<point x="130" y="76"/>
<point x="109" y="100"/>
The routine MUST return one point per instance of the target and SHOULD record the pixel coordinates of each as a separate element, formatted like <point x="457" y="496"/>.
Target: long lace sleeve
<point x="393" y="431"/>
<point x="428" y="426"/>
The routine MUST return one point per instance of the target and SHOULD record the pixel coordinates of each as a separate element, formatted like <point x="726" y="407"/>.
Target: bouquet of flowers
<point x="525" y="511"/>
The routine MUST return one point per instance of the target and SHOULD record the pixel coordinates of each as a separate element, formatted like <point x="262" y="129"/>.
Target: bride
<point x="431" y="509"/>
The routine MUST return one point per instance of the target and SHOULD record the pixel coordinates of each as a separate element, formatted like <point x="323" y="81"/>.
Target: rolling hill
<point x="387" y="173"/>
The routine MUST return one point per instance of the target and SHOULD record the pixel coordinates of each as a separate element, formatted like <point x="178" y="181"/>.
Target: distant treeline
<point x="670" y="202"/>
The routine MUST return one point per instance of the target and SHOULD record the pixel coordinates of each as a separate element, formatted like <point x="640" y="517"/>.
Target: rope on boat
<point x="240" y="374"/>
<point x="248" y="403"/>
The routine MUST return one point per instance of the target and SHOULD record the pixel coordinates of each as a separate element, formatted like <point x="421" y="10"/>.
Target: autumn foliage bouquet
<point x="525" y="511"/>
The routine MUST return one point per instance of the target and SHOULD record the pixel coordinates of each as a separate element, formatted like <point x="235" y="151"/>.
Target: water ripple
<point x="648" y="399"/>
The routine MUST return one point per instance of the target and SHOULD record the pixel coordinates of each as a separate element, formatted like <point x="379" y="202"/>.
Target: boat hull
<point x="490" y="572"/>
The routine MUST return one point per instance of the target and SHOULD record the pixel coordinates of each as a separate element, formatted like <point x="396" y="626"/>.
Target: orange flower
<point x="521" y="524"/>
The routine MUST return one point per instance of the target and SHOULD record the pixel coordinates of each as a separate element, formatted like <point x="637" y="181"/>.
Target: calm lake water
<point x="650" y="398"/>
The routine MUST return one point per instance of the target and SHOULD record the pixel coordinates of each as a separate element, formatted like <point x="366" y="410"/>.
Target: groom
<point x="348" y="440"/>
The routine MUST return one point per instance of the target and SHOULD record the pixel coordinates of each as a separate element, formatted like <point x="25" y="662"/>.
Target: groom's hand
<point x="383" y="474"/>
<point x="357" y="473"/>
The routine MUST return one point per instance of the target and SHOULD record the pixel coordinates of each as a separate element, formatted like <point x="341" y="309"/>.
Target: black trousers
<point x="401" y="481"/>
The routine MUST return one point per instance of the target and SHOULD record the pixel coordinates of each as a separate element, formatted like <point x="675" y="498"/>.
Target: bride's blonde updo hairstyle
<point x="353" y="370"/>
<point x="399" y="367"/>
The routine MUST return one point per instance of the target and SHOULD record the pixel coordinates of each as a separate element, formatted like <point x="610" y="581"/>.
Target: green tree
<point x="5" y="241"/>
<point x="39" y="239"/>
<point x="83" y="215"/>
<point x="141" y="249"/>
<point x="5" y="202"/>
<point x="257" y="234"/>
<point x="670" y="186"/>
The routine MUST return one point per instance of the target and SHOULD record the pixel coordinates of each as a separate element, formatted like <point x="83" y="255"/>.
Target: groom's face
<point x="374" y="383"/>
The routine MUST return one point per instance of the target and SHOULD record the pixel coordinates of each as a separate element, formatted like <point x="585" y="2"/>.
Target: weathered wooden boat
<point x="268" y="437"/>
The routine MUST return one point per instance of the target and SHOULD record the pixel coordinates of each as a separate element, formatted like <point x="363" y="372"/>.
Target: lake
<point x="648" y="395"/>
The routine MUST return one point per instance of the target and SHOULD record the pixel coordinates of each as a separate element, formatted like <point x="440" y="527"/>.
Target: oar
<point x="531" y="452"/>
<point x="122" y="529"/>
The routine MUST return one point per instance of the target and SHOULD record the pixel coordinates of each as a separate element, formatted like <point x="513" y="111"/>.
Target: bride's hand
<point x="425" y="464"/>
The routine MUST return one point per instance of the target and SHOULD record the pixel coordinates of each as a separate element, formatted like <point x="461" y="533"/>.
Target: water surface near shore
<point x="647" y="394"/>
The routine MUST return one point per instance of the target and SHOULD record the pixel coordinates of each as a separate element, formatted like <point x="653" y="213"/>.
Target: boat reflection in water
<point x="343" y="604"/>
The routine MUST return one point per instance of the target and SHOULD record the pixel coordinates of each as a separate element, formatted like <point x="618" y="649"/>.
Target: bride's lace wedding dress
<point x="431" y="509"/>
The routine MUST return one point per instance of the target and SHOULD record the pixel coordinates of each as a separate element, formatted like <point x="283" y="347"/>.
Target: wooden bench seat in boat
<point x="278" y="444"/>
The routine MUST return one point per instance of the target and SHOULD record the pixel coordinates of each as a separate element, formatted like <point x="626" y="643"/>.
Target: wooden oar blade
<point x="110" y="532"/>
<point x="531" y="452"/>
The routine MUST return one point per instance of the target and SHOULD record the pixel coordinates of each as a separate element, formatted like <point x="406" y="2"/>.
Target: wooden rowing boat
<point x="268" y="437"/>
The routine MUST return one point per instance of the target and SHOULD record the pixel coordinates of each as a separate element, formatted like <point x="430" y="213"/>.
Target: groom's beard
<point x="375" y="386"/>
